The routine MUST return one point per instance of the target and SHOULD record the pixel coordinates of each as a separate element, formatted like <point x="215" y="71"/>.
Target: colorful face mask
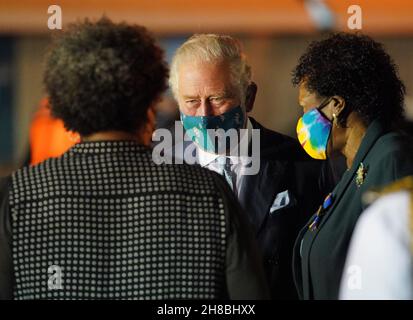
<point x="199" y="128"/>
<point x="313" y="131"/>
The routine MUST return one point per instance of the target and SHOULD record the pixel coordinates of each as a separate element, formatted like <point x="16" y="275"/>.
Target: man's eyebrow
<point x="190" y="97"/>
<point x="224" y="93"/>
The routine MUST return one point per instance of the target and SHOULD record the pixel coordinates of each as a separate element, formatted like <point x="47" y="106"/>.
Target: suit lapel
<point x="258" y="192"/>
<point x="374" y="132"/>
<point x="300" y="283"/>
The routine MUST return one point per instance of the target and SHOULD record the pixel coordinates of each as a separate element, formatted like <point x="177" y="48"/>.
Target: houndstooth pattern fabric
<point x="104" y="222"/>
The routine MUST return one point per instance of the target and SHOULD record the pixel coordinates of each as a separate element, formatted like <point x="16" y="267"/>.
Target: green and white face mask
<point x="202" y="129"/>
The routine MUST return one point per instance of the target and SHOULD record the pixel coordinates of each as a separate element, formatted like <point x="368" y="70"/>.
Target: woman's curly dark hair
<point x="103" y="76"/>
<point x="358" y="69"/>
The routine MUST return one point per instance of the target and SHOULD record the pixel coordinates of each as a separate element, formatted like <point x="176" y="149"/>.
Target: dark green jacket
<point x="319" y="255"/>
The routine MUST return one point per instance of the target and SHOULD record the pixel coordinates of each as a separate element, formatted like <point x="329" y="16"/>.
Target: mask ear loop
<point x="322" y="105"/>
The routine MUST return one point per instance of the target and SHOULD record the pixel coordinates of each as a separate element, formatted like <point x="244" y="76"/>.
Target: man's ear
<point x="250" y="98"/>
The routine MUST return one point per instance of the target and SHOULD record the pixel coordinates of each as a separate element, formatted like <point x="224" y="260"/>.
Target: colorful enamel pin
<point x="361" y="174"/>
<point x="328" y="201"/>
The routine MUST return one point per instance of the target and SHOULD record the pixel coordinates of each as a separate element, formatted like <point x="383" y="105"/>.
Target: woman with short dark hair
<point x="352" y="98"/>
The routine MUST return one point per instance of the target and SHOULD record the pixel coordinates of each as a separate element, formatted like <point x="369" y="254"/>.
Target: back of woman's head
<point x="103" y="76"/>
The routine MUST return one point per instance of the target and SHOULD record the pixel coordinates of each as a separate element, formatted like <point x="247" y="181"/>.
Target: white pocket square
<point x="282" y="200"/>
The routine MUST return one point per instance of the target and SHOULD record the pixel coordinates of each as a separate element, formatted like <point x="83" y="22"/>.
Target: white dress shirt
<point x="379" y="262"/>
<point x="216" y="162"/>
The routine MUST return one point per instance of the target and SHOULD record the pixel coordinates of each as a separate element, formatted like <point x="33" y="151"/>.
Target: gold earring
<point x="335" y="121"/>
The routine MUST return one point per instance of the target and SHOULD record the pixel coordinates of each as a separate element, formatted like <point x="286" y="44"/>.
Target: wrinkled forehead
<point x="201" y="75"/>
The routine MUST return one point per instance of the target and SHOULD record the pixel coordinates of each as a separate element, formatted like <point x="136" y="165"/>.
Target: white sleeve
<point x="379" y="261"/>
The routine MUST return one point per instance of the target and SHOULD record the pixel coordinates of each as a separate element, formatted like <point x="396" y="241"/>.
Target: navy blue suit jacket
<point x="284" y="167"/>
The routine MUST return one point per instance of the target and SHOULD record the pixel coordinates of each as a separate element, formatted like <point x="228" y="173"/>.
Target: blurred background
<point x="274" y="33"/>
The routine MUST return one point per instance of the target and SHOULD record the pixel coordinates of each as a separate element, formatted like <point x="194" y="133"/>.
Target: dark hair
<point x="358" y="69"/>
<point x="103" y="76"/>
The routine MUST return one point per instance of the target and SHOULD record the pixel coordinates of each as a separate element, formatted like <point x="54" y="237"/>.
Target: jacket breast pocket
<point x="282" y="201"/>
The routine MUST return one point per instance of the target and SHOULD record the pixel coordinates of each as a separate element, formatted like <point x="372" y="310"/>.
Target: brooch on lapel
<point x="328" y="201"/>
<point x="361" y="174"/>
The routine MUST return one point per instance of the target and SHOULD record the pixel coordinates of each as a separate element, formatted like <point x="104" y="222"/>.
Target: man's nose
<point x="205" y="109"/>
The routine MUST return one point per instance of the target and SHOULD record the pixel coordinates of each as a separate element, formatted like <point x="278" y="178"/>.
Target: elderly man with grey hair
<point x="276" y="183"/>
